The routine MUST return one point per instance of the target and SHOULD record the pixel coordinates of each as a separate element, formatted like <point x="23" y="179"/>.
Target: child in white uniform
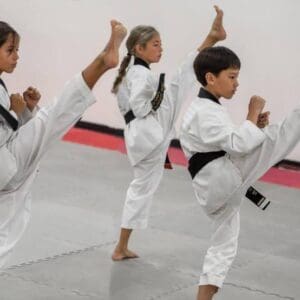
<point x="225" y="159"/>
<point x="150" y="113"/>
<point x="26" y="134"/>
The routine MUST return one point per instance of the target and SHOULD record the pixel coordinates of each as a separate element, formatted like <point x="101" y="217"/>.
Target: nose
<point x="16" y="55"/>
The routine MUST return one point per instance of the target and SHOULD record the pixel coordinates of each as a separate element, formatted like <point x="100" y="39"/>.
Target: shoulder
<point x="208" y="113"/>
<point x="141" y="74"/>
<point x="139" y="71"/>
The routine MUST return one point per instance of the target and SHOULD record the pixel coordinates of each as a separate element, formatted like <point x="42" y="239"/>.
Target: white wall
<point x="60" y="36"/>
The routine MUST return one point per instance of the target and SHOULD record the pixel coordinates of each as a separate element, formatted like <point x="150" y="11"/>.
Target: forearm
<point x="243" y="139"/>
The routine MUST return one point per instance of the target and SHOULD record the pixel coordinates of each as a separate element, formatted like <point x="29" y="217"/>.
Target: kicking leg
<point x="281" y="139"/>
<point x="108" y="58"/>
<point x="50" y="123"/>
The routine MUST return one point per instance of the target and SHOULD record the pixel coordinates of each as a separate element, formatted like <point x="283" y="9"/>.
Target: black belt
<point x="199" y="160"/>
<point x="12" y="122"/>
<point x="129" y="116"/>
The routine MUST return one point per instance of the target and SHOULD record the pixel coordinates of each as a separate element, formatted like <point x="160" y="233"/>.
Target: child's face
<point x="9" y="54"/>
<point x="152" y="52"/>
<point x="225" y="83"/>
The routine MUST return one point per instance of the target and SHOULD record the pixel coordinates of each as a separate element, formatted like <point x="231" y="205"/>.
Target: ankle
<point x="206" y="292"/>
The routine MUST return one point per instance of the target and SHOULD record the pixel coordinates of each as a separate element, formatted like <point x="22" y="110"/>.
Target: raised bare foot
<point x="217" y="31"/>
<point x="119" y="255"/>
<point x="110" y="53"/>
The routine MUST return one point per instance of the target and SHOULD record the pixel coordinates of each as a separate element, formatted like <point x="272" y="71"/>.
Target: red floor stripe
<point x="288" y="178"/>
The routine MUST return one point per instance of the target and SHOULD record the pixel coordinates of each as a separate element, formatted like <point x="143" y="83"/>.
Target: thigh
<point x="149" y="171"/>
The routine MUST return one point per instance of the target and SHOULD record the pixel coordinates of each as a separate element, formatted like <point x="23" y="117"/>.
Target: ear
<point x="210" y="78"/>
<point x="138" y="49"/>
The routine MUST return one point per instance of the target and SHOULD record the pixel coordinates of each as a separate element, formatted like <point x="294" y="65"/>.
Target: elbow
<point x="242" y="147"/>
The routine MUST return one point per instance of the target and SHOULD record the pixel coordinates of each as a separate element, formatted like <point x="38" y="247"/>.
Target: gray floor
<point x="78" y="198"/>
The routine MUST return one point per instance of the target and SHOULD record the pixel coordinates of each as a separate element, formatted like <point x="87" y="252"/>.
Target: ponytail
<point x="121" y="74"/>
<point x="139" y="35"/>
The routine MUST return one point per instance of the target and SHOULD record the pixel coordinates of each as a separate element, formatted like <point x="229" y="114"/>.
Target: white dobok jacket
<point x="138" y="88"/>
<point x="7" y="160"/>
<point x="207" y="127"/>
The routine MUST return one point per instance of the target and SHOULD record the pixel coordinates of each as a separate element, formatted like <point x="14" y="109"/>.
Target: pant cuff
<point x="134" y="225"/>
<point x="210" y="279"/>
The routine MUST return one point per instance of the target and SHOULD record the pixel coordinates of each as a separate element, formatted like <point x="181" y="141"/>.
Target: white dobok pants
<point x="281" y="139"/>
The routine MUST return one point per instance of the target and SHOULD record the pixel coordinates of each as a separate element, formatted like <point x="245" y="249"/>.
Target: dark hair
<point x="139" y="35"/>
<point x="214" y="60"/>
<point x="5" y="31"/>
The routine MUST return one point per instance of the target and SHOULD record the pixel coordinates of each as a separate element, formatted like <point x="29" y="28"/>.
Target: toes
<point x="113" y="23"/>
<point x="123" y="257"/>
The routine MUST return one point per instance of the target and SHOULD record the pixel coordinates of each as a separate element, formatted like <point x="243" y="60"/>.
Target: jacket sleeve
<point x="27" y="115"/>
<point x="141" y="92"/>
<point x="223" y="134"/>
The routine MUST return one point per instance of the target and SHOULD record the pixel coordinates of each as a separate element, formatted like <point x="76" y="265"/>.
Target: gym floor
<point x="76" y="209"/>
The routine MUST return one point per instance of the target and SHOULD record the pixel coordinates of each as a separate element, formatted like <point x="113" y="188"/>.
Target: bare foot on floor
<point x="111" y="51"/>
<point x="119" y="255"/>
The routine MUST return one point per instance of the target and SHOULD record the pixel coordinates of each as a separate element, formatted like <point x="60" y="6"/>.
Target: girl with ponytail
<point x="150" y="111"/>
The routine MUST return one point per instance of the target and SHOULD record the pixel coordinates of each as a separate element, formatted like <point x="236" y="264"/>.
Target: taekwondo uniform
<point x="149" y="130"/>
<point x="229" y="159"/>
<point x="22" y="149"/>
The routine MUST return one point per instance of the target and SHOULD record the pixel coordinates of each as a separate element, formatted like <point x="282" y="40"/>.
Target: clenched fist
<point x="256" y="105"/>
<point x="31" y="97"/>
<point x="263" y="119"/>
<point x="17" y="104"/>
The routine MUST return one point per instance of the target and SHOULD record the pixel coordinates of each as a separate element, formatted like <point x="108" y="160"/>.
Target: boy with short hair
<point x="225" y="159"/>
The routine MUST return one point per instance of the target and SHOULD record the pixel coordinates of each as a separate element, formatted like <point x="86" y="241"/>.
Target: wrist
<point x="253" y="117"/>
